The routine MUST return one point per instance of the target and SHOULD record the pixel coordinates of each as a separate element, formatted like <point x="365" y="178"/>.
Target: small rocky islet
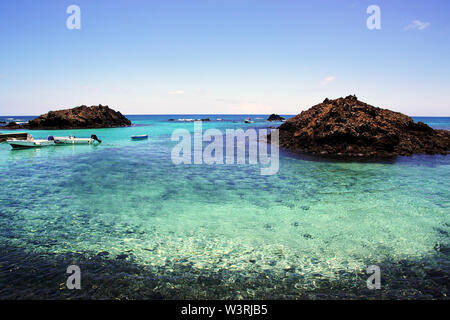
<point x="275" y="117"/>
<point x="349" y="127"/>
<point x="82" y="117"/>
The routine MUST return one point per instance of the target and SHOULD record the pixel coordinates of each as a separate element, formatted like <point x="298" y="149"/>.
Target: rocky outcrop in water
<point x="82" y="117"/>
<point x="349" y="127"/>
<point x="275" y="117"/>
<point x="12" y="125"/>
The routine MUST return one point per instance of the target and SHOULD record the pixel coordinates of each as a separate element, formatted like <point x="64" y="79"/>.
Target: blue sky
<point x="223" y="56"/>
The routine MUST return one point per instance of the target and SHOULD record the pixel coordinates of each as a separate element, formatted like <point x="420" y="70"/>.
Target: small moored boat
<point x="249" y="120"/>
<point x="140" y="137"/>
<point x="30" y="143"/>
<point x="73" y="140"/>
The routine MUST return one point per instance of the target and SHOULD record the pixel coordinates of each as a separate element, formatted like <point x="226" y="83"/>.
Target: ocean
<point x="141" y="227"/>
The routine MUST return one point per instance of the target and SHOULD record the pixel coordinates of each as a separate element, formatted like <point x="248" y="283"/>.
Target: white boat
<point x="73" y="140"/>
<point x="249" y="120"/>
<point x="31" y="143"/>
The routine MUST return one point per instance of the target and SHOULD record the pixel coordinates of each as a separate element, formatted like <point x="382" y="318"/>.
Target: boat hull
<point x="142" y="137"/>
<point x="67" y="140"/>
<point x="26" y="144"/>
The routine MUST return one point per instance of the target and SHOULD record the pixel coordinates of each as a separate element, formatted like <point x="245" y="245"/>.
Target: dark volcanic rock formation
<point x="275" y="117"/>
<point x="11" y="125"/>
<point x="349" y="127"/>
<point x="79" y="118"/>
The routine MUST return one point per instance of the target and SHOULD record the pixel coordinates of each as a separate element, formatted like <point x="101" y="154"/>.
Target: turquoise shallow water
<point x="314" y="223"/>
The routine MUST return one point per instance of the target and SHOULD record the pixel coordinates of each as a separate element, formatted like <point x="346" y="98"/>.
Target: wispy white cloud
<point x="328" y="80"/>
<point x="176" y="92"/>
<point x="417" y="25"/>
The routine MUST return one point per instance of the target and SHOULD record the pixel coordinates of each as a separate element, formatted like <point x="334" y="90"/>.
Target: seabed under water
<point x="140" y="227"/>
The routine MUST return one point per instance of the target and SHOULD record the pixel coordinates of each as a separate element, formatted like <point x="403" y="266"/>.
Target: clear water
<point x="315" y="220"/>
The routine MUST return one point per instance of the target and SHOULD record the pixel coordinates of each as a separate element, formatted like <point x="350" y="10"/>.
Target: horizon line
<point x="222" y="114"/>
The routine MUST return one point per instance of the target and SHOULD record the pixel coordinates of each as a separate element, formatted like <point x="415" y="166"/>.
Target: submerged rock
<point x="103" y="253"/>
<point x="349" y="127"/>
<point x="82" y="117"/>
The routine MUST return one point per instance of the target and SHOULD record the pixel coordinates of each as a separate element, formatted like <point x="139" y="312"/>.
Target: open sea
<point x="141" y="227"/>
